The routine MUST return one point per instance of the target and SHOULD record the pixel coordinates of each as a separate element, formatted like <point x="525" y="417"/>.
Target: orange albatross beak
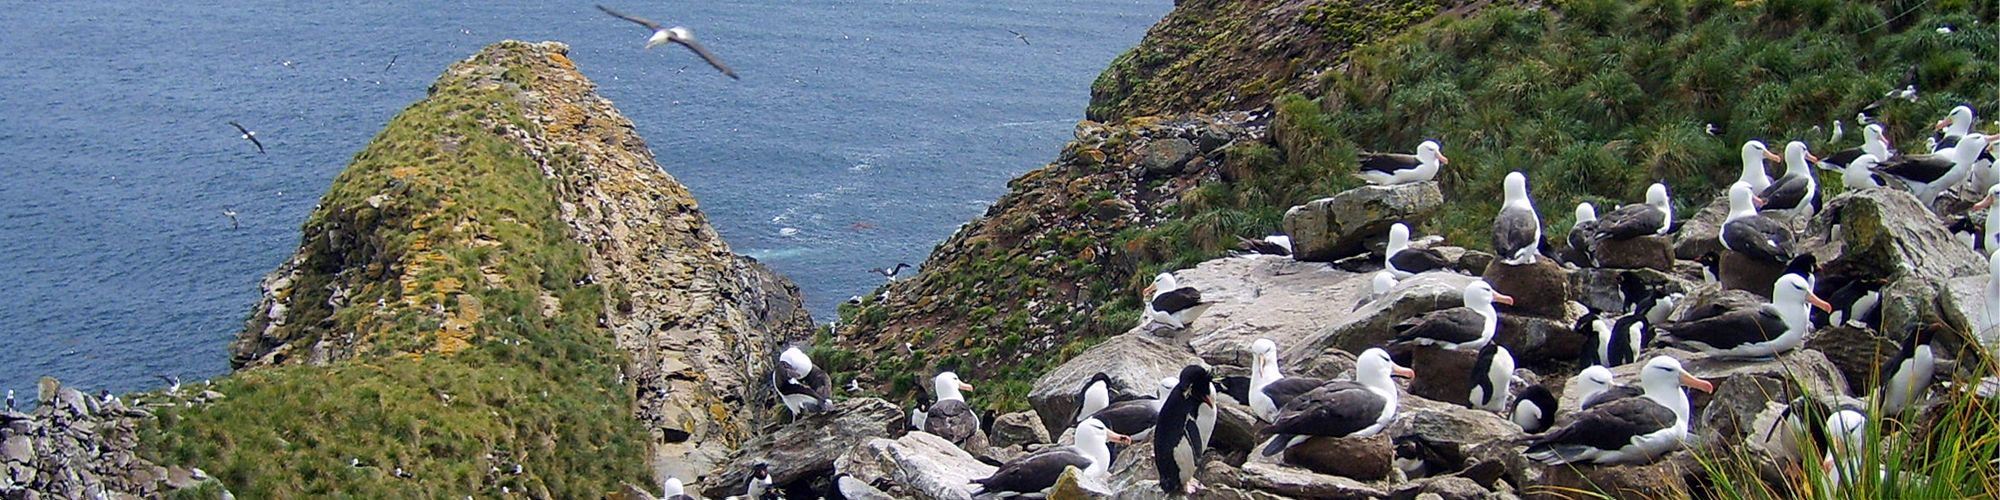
<point x="1501" y="298"/>
<point x="1811" y="158"/>
<point x="1115" y="437"/>
<point x="1941" y="124"/>
<point x="1442" y="159"/>
<point x="1819" y="302"/>
<point x="964" y="386"/>
<point x="1400" y="371"/>
<point x="1690" y="380"/>
<point x="1983" y="203"/>
<point x="1759" y="200"/>
<point x="1772" y="156"/>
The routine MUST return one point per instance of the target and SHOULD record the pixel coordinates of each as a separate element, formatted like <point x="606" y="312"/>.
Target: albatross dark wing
<point x="707" y="56"/>
<point x="1608" y="427"/>
<point x="1177" y="300"/>
<point x="952" y="420"/>
<point x="1035" y="472"/>
<point x="1735" y="328"/>
<point x="1284" y="390"/>
<point x="642" y="21"/>
<point x="1787" y="193"/>
<point x="1334" y="409"/>
<point x="1919" y="168"/>
<point x="1457" y="325"/>
<point x="1631" y="221"/>
<point x="1759" y="237"/>
<point x="1387" y="163"/>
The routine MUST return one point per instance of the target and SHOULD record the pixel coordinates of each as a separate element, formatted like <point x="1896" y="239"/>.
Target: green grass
<point x="1946" y="453"/>
<point x="450" y="277"/>
<point x="1595" y="99"/>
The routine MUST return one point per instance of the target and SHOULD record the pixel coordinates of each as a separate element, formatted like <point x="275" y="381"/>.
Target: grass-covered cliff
<point x="503" y="292"/>
<point x="1593" y="99"/>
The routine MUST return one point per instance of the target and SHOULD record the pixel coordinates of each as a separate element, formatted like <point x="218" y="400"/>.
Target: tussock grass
<point x="459" y="367"/>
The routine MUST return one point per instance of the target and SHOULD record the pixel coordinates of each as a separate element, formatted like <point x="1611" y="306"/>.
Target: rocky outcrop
<point x="697" y="322"/>
<point x="918" y="465"/>
<point x="810" y="446"/>
<point x="77" y="446"/>
<point x="1136" y="361"/>
<point x="1339" y="226"/>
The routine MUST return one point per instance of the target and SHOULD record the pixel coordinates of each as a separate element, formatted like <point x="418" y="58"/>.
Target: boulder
<point x="1295" y="483"/>
<point x="1328" y="229"/>
<point x="1476" y="261"/>
<point x="1018" y="428"/>
<point x="1664" y="478"/>
<point x="629" y="491"/>
<point x="1644" y="252"/>
<point x="1538" y="341"/>
<point x="1598" y="288"/>
<point x="1886" y="232"/>
<point x="1742" y="389"/>
<point x="1444" y="436"/>
<point x="1539" y="289"/>
<point x="1858" y="353"/>
<point x="1442" y="488"/>
<point x="1236" y="427"/>
<point x="1367" y="459"/>
<point x="1134" y="361"/>
<point x="1967" y="300"/>
<point x="925" y="465"/>
<point x="810" y="446"/>
<point x="1912" y="302"/>
<point x="1370" y="325"/>
<point x="855" y="489"/>
<point x="1710" y="300"/>
<point x="1165" y="157"/>
<point x="1698" y="234"/>
<point x="1265" y="297"/>
<point x="1740" y="272"/>
<point x="1442" y="375"/>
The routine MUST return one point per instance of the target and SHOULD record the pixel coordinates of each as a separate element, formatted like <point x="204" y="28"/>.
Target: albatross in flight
<point x="249" y="136"/>
<point x="677" y="34"/>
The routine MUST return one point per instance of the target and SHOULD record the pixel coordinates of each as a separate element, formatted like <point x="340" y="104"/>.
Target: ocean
<point x="862" y="134"/>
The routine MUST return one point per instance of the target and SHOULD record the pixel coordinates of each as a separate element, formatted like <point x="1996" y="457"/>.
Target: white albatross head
<point x="947" y="386"/>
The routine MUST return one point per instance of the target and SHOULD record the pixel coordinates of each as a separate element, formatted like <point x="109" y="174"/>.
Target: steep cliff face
<point x="1218" y="55"/>
<point x="503" y="277"/>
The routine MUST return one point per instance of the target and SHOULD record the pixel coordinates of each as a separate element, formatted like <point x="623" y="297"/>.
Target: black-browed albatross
<point x="248" y="136"/>
<point x="677" y="34"/>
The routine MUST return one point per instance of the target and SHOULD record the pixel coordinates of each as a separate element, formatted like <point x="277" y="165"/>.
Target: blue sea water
<point x="862" y="133"/>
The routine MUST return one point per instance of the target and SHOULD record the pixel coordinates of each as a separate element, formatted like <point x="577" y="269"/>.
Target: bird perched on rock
<point x="1168" y="303"/>
<point x="1535" y="409"/>
<point x="677" y="34"/>
<point x="1517" y="230"/>
<point x="760" y="483"/>
<point x="1627" y="431"/>
<point x="1763" y="331"/>
<point x="1752" y="234"/>
<point x="1270" y="390"/>
<point x="1357" y="408"/>
<point x="803" y="387"/>
<point x="1581" y="235"/>
<point x="1906" y="376"/>
<point x="10" y="400"/>
<point x="1403" y="260"/>
<point x="1181" y="434"/>
<point x="951" y="418"/>
<point x="672" y="489"/>
<point x="1652" y="218"/>
<point x="1467" y="327"/>
<point x="1276" y="244"/>
<point x="890" y="273"/>
<point x="1492" y="374"/>
<point x="1038" y="471"/>
<point x="1396" y="169"/>
<point x="173" y="383"/>
<point x="1754" y="155"/>
<point x="1378" y="287"/>
<point x="1931" y="175"/>
<point x="1796" y="192"/>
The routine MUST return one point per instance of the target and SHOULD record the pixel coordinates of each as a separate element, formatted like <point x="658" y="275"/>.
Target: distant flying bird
<point x="173" y="383"/>
<point x="675" y="34"/>
<point x="1024" y="38"/>
<point x="392" y="62"/>
<point x="890" y="273"/>
<point x="249" y="136"/>
<point x="231" y="214"/>
<point x="1907" y="92"/>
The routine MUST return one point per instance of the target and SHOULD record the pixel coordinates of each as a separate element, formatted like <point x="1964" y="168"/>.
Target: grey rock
<point x="1539" y="289"/>
<point x="855" y="489"/>
<point x="1442" y="375"/>
<point x="1664" y="478"/>
<point x="1236" y="427"/>
<point x="1645" y="252"/>
<point x="1442" y="488"/>
<point x="1742" y="389"/>
<point x="1133" y="360"/>
<point x="1698" y="234"/>
<point x="1370" y="325"/>
<point x="1539" y="341"/>
<point x="1165" y="157"/>
<point x="1858" y="353"/>
<point x="1447" y="434"/>
<point x="1885" y="232"/>
<point x="1329" y="229"/>
<point x="17" y="449"/>
<point x="1297" y="483"/>
<point x="629" y="491"/>
<point x="1018" y="428"/>
<point x="1740" y="272"/>
<point x="1367" y="459"/>
<point x="810" y="446"/>
<point x="927" y="466"/>
<point x="1213" y="138"/>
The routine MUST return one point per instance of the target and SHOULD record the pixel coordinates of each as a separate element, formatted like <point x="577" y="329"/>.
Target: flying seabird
<point x="760" y="483"/>
<point x="1168" y="303"/>
<point x="1754" y="155"/>
<point x="173" y="383"/>
<point x="392" y="62"/>
<point x="1270" y="390"/>
<point x="1378" y="287"/>
<point x="1467" y="327"/>
<point x="1517" y="231"/>
<point x="672" y="489"/>
<point x="1535" y="410"/>
<point x="1596" y="387"/>
<point x="1276" y="244"/>
<point x="1904" y="378"/>
<point x="1581" y="235"/>
<point x="890" y="273"/>
<point x="804" y="388"/>
<point x="248" y="136"/>
<point x="1024" y="38"/>
<point x="950" y="418"/>
<point x="1796" y="192"/>
<point x="1036" y="472"/>
<point x="231" y="214"/>
<point x="1752" y="234"/>
<point x="675" y="34"/>
<point x="1396" y="169"/>
<point x="1906" y="91"/>
<point x="1492" y="373"/>
<point x="1627" y="431"/>
<point x="1757" y="332"/>
<point x="1931" y="175"/>
<point x="1651" y="218"/>
<point x="1404" y="261"/>
<point x="1185" y="425"/>
<point x="1357" y="408"/>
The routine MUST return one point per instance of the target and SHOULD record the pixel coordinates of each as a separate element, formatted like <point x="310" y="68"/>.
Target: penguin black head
<point x="1925" y="334"/>
<point x="1582" y="325"/>
<point x="1196" y="384"/>
<point x="1803" y="265"/>
<point x="761" y="470"/>
<point x="1100" y="377"/>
